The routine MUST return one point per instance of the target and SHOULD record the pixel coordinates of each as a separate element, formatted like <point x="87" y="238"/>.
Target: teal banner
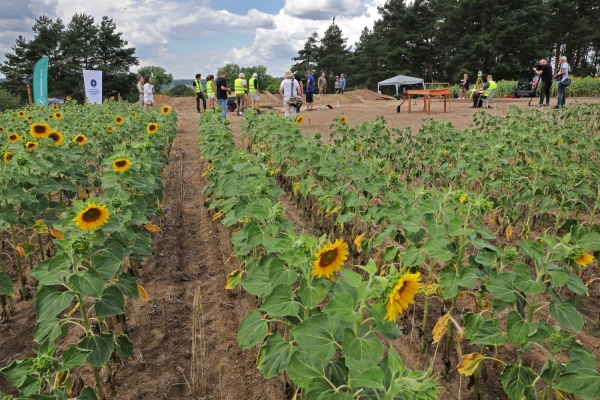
<point x="40" y="82"/>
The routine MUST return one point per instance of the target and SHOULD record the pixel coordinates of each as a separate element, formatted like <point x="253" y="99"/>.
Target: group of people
<point x="292" y="85"/>
<point x="546" y="77"/>
<point x="146" y="91"/>
<point x="218" y="90"/>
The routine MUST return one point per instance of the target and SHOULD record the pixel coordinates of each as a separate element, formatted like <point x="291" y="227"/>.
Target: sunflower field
<point x="79" y="187"/>
<point x="494" y="224"/>
<point x="580" y="87"/>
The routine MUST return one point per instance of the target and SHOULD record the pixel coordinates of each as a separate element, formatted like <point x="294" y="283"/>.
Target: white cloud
<point x="324" y="9"/>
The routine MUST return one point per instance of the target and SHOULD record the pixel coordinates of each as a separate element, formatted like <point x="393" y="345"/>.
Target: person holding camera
<point x="544" y="70"/>
<point x="562" y="80"/>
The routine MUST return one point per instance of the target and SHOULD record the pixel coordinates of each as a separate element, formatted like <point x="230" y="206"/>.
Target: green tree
<point x="180" y="90"/>
<point x="8" y="101"/>
<point x="308" y="56"/>
<point x="159" y="76"/>
<point x="333" y="52"/>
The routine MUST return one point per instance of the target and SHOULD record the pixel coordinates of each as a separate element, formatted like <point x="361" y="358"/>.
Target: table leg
<point x="429" y="105"/>
<point x="444" y="103"/>
<point x="409" y="101"/>
<point x="425" y="103"/>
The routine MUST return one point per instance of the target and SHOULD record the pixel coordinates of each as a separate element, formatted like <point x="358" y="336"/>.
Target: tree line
<point x="439" y="40"/>
<point x="82" y="44"/>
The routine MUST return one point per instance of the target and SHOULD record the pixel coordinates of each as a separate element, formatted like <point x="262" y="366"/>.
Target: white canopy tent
<point x="401" y="80"/>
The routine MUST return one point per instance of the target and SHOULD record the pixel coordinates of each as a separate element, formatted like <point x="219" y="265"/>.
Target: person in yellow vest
<point x="240" y="87"/>
<point x="211" y="91"/>
<point x="481" y="93"/>
<point x="199" y="93"/>
<point x="253" y="89"/>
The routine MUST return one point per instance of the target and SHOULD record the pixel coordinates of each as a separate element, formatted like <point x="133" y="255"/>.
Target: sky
<point x="186" y="37"/>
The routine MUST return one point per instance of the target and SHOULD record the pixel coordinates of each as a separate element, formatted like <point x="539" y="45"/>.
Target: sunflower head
<point x="54" y="107"/>
<point x="21" y="114"/>
<point x="152" y="128"/>
<point x="29" y="118"/>
<point x="165" y="110"/>
<point x="69" y="98"/>
<point x="13" y="137"/>
<point x="299" y="120"/>
<point x="402" y="295"/>
<point x="57" y="137"/>
<point x="110" y="129"/>
<point x="92" y="217"/>
<point x="31" y="145"/>
<point x="559" y="143"/>
<point x="463" y="198"/>
<point x="80" y="139"/>
<point x="343" y="120"/>
<point x="58" y="115"/>
<point x="584" y="259"/>
<point x="330" y="258"/>
<point x="1" y="129"/>
<point x="119" y="120"/>
<point x="121" y="164"/>
<point x="6" y="157"/>
<point x="40" y="130"/>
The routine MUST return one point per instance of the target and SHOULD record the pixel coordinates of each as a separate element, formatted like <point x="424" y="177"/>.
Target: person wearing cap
<point x="289" y="87"/>
<point x="481" y="93"/>
<point x="240" y="87"/>
<point x="253" y="89"/>
<point x="310" y="90"/>
<point x="197" y="84"/>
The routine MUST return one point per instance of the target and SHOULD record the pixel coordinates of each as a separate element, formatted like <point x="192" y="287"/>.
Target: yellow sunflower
<point x="463" y="198"/>
<point x="1" y="129"/>
<point x="29" y="118"/>
<point x="165" y="110"/>
<point x="110" y="129"/>
<point x="402" y="295"/>
<point x="92" y="217"/>
<point x="121" y="164"/>
<point x="31" y="145"/>
<point x="330" y="258"/>
<point x="119" y="120"/>
<point x="343" y="120"/>
<point x="80" y="139"/>
<point x="13" y="137"/>
<point x="57" y="137"/>
<point x="299" y="120"/>
<point x="152" y="128"/>
<point x="58" y="115"/>
<point x="54" y="107"/>
<point x="40" y="130"/>
<point x="69" y="98"/>
<point x="21" y="114"/>
<point x="6" y="157"/>
<point x="584" y="259"/>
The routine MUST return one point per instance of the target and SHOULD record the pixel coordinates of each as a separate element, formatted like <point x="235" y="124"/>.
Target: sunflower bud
<point x="80" y="245"/>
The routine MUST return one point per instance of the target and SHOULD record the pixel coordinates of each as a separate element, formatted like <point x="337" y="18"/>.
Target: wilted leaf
<point x="143" y="293"/>
<point x="358" y="241"/>
<point x="469" y="363"/>
<point x="440" y="328"/>
<point x="152" y="228"/>
<point x="233" y="279"/>
<point x="20" y="251"/>
<point x="57" y="234"/>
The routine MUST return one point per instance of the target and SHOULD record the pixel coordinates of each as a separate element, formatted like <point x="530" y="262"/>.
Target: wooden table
<point x="427" y="93"/>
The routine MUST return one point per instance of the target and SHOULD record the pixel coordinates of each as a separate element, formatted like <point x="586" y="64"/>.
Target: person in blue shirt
<point x="342" y="83"/>
<point x="310" y="90"/>
<point x="560" y="77"/>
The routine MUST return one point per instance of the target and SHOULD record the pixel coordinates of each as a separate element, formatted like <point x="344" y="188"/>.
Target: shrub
<point x="8" y="101"/>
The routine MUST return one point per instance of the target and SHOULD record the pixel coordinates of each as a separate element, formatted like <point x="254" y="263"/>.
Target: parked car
<point x="527" y="84"/>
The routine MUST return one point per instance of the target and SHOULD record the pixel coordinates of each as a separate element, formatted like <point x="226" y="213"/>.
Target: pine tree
<point x="333" y="52"/>
<point x="308" y="56"/>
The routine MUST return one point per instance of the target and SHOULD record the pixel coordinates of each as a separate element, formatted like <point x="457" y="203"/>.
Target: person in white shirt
<point x="148" y="93"/>
<point x="289" y="87"/>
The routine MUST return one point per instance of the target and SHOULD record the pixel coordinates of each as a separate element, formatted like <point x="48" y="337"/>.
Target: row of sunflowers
<point x="319" y="326"/>
<point x="498" y="219"/>
<point x="79" y="187"/>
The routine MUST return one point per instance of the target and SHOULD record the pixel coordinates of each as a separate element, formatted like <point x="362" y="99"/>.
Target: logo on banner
<point x="93" y="83"/>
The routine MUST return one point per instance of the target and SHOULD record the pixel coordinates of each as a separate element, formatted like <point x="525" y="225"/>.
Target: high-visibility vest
<point x="239" y="88"/>
<point x="198" y="86"/>
<point x="209" y="88"/>
<point x="492" y="86"/>
<point x="251" y="87"/>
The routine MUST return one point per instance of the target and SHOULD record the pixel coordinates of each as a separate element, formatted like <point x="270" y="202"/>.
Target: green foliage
<point x="8" y="101"/>
<point x="180" y="90"/>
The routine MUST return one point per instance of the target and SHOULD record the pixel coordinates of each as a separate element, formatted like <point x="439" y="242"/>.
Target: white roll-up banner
<point x="93" y="86"/>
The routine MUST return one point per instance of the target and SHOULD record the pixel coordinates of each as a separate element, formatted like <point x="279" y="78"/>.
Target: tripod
<point x="478" y="82"/>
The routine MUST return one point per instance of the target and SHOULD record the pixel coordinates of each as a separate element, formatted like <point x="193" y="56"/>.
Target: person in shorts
<point x="322" y="85"/>
<point x="310" y="90"/>
<point x="253" y="89"/>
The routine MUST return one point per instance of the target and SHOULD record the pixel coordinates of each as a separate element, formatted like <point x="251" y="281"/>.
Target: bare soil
<point x="185" y="336"/>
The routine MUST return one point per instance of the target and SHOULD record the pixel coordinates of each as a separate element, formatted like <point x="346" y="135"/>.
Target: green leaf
<point x="532" y="250"/>
<point x="368" y="348"/>
<point x="252" y="330"/>
<point x="547" y="204"/>
<point x="73" y="357"/>
<point x="351" y="277"/>
<point x="558" y="277"/>
<point x="487" y="258"/>
<point x="111" y="303"/>
<point x="106" y="266"/>
<point x="88" y="283"/>
<point x="468" y="278"/>
<point x="436" y="247"/>
<point x="275" y="355"/>
<point x="128" y="286"/>
<point x="575" y="283"/>
<point x="518" y="329"/>
<point x="124" y="346"/>
<point x="317" y="388"/>
<point x="365" y="373"/>
<point x="488" y="332"/>
<point x="51" y="271"/>
<point x="501" y="286"/>
<point x="565" y="313"/>
<point x="449" y="282"/>
<point x="49" y="329"/>
<point x="517" y="381"/>
<point x="303" y="368"/>
<point x="413" y="223"/>
<point x="591" y="241"/>
<point x="343" y="307"/>
<point x="280" y="303"/>
<point x="316" y="335"/>
<point x="87" y="394"/>
<point x="49" y="302"/>
<point x="257" y="281"/>
<point x="101" y="346"/>
<point x="412" y="256"/>
<point x="17" y="371"/>
<point x="580" y="378"/>
<point x="312" y="295"/>
<point x="550" y="371"/>
<point x="6" y="285"/>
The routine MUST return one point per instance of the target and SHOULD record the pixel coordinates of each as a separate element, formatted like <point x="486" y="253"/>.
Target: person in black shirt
<point x="222" y="93"/>
<point x="545" y="72"/>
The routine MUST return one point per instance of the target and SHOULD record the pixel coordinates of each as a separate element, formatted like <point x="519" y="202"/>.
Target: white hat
<point x="241" y="75"/>
<point x="288" y="74"/>
<point x="255" y="75"/>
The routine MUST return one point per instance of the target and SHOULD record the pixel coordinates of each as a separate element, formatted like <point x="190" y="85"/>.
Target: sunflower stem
<point x="41" y="246"/>
<point x="18" y="262"/>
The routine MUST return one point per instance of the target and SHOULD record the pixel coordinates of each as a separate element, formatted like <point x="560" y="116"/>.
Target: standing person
<point x="300" y="87"/>
<point x="140" y="88"/>
<point x="289" y="87"/>
<point x="211" y="90"/>
<point x="545" y="72"/>
<point x="240" y="93"/>
<point x="337" y="85"/>
<point x="342" y="83"/>
<point x="483" y="92"/>
<point x="464" y="86"/>
<point x="148" y="92"/>
<point x="322" y="85"/>
<point x="222" y="93"/>
<point x="310" y="90"/>
<point x="253" y="89"/>
<point x="560" y="77"/>
<point x="199" y="93"/>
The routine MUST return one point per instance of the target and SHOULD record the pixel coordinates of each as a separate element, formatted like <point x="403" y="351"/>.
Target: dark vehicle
<point x="527" y="84"/>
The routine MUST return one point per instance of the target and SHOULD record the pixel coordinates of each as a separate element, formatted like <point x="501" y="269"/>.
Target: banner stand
<point x="92" y="81"/>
